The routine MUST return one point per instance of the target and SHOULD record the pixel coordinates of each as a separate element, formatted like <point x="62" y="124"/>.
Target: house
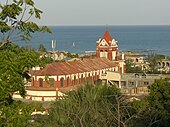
<point x="131" y="84"/>
<point x="57" y="56"/>
<point x="164" y="66"/>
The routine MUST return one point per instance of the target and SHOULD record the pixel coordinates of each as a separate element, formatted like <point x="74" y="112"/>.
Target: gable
<point x="103" y="42"/>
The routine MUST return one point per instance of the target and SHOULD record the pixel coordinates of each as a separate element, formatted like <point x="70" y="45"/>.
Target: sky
<point x="102" y="12"/>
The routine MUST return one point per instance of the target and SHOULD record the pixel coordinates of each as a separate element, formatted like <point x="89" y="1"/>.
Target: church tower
<point x="107" y="47"/>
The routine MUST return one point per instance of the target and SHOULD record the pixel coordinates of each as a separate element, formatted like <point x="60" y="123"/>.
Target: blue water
<point x="135" y="38"/>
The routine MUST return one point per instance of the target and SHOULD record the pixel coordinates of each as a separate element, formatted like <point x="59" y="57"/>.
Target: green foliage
<point x="14" y="62"/>
<point x="72" y="55"/>
<point x="13" y="115"/>
<point x="153" y="60"/>
<point x="90" y="106"/>
<point x="16" y="25"/>
<point x="160" y="96"/>
<point x="17" y="114"/>
<point x="46" y="60"/>
<point x="14" y="21"/>
<point x="41" y="48"/>
<point x="154" y="110"/>
<point x="130" y="67"/>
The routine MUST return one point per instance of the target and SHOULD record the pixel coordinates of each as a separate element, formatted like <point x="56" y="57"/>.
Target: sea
<point x="82" y="39"/>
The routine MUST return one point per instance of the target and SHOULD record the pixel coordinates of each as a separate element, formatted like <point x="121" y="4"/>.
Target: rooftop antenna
<point x="53" y="45"/>
<point x="106" y="27"/>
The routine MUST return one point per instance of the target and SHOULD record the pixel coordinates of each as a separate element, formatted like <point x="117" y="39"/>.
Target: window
<point x="41" y="82"/>
<point x="51" y="80"/>
<point x="82" y="79"/>
<point x="146" y="83"/>
<point x="68" y="82"/>
<point x="62" y="82"/>
<point x="75" y="80"/>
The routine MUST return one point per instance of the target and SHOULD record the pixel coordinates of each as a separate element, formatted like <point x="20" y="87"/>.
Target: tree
<point x="16" y="26"/>
<point x="15" y="61"/>
<point x="15" y="20"/>
<point x="153" y="60"/>
<point x="159" y="99"/>
<point x="41" y="48"/>
<point x="154" y="110"/>
<point x="131" y="68"/>
<point x="72" y="55"/>
<point x="90" y="106"/>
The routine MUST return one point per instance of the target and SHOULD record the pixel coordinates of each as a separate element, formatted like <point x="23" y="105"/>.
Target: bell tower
<point x="107" y="47"/>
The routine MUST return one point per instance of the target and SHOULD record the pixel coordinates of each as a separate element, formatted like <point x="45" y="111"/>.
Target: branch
<point x="25" y="8"/>
<point x="28" y="18"/>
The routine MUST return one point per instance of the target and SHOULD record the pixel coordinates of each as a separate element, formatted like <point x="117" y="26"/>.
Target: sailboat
<point x="73" y="44"/>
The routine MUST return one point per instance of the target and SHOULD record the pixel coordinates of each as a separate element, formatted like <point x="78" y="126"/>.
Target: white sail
<point x="73" y="44"/>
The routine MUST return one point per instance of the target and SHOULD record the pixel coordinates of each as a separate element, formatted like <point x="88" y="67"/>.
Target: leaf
<point x="29" y="2"/>
<point x="37" y="13"/>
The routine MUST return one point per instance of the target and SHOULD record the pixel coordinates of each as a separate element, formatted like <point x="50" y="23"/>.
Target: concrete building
<point x="164" y="66"/>
<point x="57" y="56"/>
<point x="131" y="84"/>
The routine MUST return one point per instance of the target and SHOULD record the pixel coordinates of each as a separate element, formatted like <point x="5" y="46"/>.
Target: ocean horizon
<point x="81" y="39"/>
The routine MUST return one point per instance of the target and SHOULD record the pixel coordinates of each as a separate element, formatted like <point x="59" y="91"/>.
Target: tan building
<point x="130" y="84"/>
<point x="164" y="66"/>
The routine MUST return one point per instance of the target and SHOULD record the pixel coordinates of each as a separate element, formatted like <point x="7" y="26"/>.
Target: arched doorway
<point x="75" y="82"/>
<point x="82" y="79"/>
<point x="51" y="80"/>
<point x="40" y="82"/>
<point x="68" y="81"/>
<point x="61" y="82"/>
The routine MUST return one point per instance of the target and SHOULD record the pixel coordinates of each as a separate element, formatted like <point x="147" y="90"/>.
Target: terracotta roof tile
<point x="107" y="36"/>
<point x="72" y="67"/>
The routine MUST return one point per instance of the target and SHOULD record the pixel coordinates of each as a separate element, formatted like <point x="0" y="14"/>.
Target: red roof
<point x="107" y="36"/>
<point x="80" y="66"/>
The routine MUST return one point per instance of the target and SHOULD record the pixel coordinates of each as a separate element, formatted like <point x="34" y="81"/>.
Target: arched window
<point x="51" y="80"/>
<point x="89" y="78"/>
<point x="95" y="75"/>
<point x="159" y="64"/>
<point x="74" y="80"/>
<point x="41" y="82"/>
<point x="68" y="81"/>
<point x="137" y="60"/>
<point x="33" y="81"/>
<point x="163" y="64"/>
<point x="82" y="79"/>
<point x="62" y="82"/>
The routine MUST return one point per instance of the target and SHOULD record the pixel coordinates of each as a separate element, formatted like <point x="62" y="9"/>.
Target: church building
<point x="51" y="82"/>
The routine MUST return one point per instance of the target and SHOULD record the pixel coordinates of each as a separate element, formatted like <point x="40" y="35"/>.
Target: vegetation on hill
<point x="154" y="110"/>
<point x="97" y="106"/>
<point x="105" y="106"/>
